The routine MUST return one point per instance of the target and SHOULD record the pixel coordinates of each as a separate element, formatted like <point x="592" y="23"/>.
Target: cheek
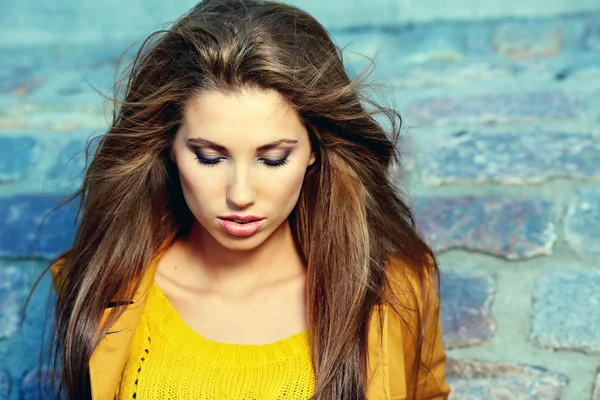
<point x="286" y="190"/>
<point x="200" y="187"/>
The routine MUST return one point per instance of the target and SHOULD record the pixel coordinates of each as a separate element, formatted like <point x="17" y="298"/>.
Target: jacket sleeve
<point x="56" y="272"/>
<point x="421" y="302"/>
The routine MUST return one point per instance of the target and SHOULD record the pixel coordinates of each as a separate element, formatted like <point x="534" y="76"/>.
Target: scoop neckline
<point x="173" y="328"/>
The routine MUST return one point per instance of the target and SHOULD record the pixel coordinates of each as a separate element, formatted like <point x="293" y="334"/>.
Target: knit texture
<point x="169" y="360"/>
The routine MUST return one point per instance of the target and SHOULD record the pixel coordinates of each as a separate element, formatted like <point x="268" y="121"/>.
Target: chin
<point x="241" y="243"/>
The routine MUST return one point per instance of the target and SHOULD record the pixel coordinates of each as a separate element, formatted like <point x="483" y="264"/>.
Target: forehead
<point x="253" y="114"/>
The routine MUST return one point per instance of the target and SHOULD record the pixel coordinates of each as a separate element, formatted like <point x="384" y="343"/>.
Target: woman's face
<point x="241" y="154"/>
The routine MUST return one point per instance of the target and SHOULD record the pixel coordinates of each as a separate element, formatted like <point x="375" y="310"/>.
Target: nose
<point x="240" y="193"/>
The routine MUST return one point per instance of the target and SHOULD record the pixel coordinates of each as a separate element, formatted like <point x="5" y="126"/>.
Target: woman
<point x="240" y="236"/>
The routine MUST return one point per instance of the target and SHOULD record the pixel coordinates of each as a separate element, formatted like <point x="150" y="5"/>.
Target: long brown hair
<point x="350" y="218"/>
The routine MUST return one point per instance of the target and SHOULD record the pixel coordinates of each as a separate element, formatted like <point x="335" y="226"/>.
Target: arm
<point x="422" y="302"/>
<point x="431" y="380"/>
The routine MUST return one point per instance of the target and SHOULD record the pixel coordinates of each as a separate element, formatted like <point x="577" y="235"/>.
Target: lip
<point x="245" y="218"/>
<point x="241" y="230"/>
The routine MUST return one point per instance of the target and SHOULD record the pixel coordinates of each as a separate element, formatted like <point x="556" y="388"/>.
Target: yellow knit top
<point x="169" y="360"/>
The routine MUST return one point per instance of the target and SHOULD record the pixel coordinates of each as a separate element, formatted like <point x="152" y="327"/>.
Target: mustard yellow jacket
<point x="389" y="363"/>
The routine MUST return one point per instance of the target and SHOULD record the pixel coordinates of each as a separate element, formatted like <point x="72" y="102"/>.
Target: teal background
<point x="501" y="163"/>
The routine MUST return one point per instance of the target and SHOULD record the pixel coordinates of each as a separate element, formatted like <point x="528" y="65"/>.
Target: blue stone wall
<point x="34" y="21"/>
<point x="501" y="160"/>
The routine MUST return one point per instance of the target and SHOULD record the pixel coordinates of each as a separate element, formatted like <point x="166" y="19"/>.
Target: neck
<point x="236" y="272"/>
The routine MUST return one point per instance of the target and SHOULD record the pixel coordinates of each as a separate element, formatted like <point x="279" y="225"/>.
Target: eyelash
<point x="211" y="162"/>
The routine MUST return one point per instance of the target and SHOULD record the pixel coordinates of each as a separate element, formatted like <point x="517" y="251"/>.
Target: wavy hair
<point x="350" y="219"/>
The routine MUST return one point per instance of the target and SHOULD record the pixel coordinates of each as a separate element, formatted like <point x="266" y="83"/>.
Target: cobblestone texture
<point x="418" y="45"/>
<point x="22" y="216"/>
<point x="68" y="170"/>
<point x="17" y="156"/>
<point x="400" y="173"/>
<point x="447" y="75"/>
<point x="582" y="222"/>
<point x="51" y="116"/>
<point x="32" y="388"/>
<point x="500" y="143"/>
<point x="19" y="82"/>
<point x="513" y="158"/>
<point x="566" y="311"/>
<point x="596" y="392"/>
<point x="14" y="287"/>
<point x="475" y="379"/>
<point x="496" y="108"/>
<point x="528" y="40"/>
<point x="4" y="385"/>
<point x="592" y="37"/>
<point x="510" y="227"/>
<point x="466" y="315"/>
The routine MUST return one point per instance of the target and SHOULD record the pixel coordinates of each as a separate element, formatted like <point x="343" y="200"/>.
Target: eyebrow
<point x="216" y="146"/>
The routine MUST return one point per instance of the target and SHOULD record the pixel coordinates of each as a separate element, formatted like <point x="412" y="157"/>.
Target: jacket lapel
<point x="110" y="355"/>
<point x="385" y="367"/>
<point x="378" y="368"/>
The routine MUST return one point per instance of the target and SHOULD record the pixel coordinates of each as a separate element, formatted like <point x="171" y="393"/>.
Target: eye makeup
<point x="269" y="162"/>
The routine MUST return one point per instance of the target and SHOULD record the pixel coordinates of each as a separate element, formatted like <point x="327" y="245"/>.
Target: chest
<point x="265" y="316"/>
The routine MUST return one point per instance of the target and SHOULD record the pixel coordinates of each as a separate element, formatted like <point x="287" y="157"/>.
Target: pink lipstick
<point x="241" y="225"/>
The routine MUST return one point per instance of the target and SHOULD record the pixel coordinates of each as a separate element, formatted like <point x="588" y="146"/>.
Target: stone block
<point x="19" y="82"/>
<point x="358" y="44"/>
<point x="407" y="152"/>
<point x="478" y="38"/>
<point x="415" y="45"/>
<point x="582" y="222"/>
<point x="35" y="387"/>
<point x="591" y="40"/>
<point x="4" y="385"/>
<point x="481" y="380"/>
<point x="509" y="227"/>
<point x="596" y="390"/>
<point x="17" y="157"/>
<point x="71" y="88"/>
<point x="24" y="232"/>
<point x="513" y="158"/>
<point x="524" y="40"/>
<point x="69" y="167"/>
<point x="465" y="308"/>
<point x="55" y="114"/>
<point x="496" y="108"/>
<point x="440" y="75"/>
<point x="14" y="287"/>
<point x="566" y="311"/>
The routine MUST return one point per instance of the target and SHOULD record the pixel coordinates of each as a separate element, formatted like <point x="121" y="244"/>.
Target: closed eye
<point x="212" y="161"/>
<point x="275" y="163"/>
<point x="208" y="160"/>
